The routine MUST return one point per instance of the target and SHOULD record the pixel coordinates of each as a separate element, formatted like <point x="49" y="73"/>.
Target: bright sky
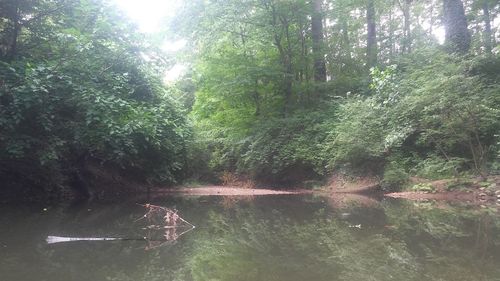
<point x="150" y="15"/>
<point x="439" y="33"/>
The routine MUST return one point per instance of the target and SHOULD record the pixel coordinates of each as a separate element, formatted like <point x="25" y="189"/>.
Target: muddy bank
<point x="480" y="190"/>
<point x="451" y="196"/>
<point x="226" y="191"/>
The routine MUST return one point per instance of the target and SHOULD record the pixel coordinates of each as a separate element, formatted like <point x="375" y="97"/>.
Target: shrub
<point x="287" y="149"/>
<point x="394" y="179"/>
<point x="436" y="167"/>
<point x="436" y="107"/>
<point x="423" y="187"/>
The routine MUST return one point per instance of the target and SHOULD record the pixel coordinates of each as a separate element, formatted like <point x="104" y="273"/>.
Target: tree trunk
<point x="288" y="65"/>
<point x="13" y="46"/>
<point x="371" y="41"/>
<point x="487" y="27"/>
<point x="432" y="20"/>
<point x="407" y="40"/>
<point x="317" y="38"/>
<point x="407" y="26"/>
<point x="391" y="32"/>
<point x="345" y="39"/>
<point x="13" y="33"/>
<point x="457" y="36"/>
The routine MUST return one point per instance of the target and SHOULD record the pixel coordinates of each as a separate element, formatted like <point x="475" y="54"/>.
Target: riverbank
<point x="474" y="190"/>
<point x="480" y="190"/>
<point x="477" y="190"/>
<point x="218" y="190"/>
<point x="458" y="190"/>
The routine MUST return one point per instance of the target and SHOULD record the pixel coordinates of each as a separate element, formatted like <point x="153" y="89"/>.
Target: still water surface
<point x="256" y="239"/>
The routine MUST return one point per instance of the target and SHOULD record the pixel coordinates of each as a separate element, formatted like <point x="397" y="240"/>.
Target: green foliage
<point x="366" y="133"/>
<point x="394" y="178"/>
<point x="287" y="149"/>
<point x="452" y="106"/>
<point x="459" y="184"/>
<point x="436" y="167"/>
<point x="259" y="112"/>
<point x="93" y="100"/>
<point x="80" y="87"/>
<point x="423" y="187"/>
<point x="437" y="107"/>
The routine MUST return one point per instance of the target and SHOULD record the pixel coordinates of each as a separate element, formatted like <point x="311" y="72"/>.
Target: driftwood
<point x="59" y="239"/>
<point x="161" y="229"/>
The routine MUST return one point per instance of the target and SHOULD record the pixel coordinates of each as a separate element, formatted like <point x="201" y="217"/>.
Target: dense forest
<point x="279" y="92"/>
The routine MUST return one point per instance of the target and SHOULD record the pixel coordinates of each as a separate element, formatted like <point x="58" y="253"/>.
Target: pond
<point x="283" y="237"/>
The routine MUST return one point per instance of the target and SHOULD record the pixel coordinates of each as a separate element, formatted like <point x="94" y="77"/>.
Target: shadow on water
<point x="354" y="237"/>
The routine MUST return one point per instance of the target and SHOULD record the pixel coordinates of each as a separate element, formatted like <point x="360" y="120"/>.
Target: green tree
<point x="84" y="103"/>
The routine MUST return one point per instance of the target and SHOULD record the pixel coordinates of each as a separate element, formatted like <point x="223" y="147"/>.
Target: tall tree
<point x="21" y="21"/>
<point x="12" y="14"/>
<point x="371" y="41"/>
<point x="75" y="90"/>
<point x="457" y="35"/>
<point x="487" y="26"/>
<point x="405" y="6"/>
<point x="317" y="37"/>
<point x="282" y="41"/>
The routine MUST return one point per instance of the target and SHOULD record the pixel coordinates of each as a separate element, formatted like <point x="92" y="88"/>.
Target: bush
<point x="277" y="150"/>
<point x="87" y="96"/>
<point x="436" y="167"/>
<point x="394" y="179"/>
<point x="436" y="107"/>
<point x="423" y="187"/>
<point x="366" y="132"/>
<point x="287" y="150"/>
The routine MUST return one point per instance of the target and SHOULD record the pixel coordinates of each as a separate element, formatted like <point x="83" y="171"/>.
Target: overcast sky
<point x="150" y="15"/>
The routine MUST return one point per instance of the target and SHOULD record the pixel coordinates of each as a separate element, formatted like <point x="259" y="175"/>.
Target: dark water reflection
<point x="263" y="238"/>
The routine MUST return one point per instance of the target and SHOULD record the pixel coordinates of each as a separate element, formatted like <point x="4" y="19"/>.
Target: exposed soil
<point x="479" y="190"/>
<point x="472" y="190"/>
<point x="449" y="196"/>
<point x="227" y="191"/>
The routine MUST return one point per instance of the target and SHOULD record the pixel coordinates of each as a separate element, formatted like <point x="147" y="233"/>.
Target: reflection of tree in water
<point x="230" y="202"/>
<point x="416" y="241"/>
<point x="413" y="244"/>
<point x="452" y="243"/>
<point x="247" y="247"/>
<point x="347" y="200"/>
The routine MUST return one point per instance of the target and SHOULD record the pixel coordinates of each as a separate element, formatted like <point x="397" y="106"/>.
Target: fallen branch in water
<point x="59" y="239"/>
<point x="158" y="215"/>
<point x="161" y="229"/>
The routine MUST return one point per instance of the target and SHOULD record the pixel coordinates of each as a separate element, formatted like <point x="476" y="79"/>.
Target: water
<point x="261" y="238"/>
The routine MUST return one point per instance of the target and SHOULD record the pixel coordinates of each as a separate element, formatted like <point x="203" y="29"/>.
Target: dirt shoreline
<point x="216" y="190"/>
<point x="449" y="196"/>
<point x="480" y="190"/>
<point x="455" y="196"/>
<point x="476" y="190"/>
